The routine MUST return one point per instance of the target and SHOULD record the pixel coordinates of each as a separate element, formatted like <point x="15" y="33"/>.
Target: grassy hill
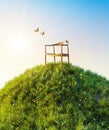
<point x="51" y="97"/>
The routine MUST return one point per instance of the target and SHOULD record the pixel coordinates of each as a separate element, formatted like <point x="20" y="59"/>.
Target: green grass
<point x="55" y="97"/>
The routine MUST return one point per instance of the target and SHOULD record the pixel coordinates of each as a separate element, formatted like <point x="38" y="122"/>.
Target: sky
<point x="84" y="23"/>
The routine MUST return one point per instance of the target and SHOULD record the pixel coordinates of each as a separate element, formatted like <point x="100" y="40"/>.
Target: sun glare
<point x="19" y="44"/>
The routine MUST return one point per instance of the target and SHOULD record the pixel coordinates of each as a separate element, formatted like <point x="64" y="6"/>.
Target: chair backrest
<point x="59" y="43"/>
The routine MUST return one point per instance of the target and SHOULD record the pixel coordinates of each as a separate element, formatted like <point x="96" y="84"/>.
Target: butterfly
<point x="36" y="30"/>
<point x="66" y="41"/>
<point x="42" y="33"/>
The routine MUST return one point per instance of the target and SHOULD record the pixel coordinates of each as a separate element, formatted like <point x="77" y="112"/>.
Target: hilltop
<point x="55" y="97"/>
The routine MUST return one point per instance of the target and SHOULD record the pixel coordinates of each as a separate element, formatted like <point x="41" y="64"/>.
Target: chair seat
<point x="59" y="54"/>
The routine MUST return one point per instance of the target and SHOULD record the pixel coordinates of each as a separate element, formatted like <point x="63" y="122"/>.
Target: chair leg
<point x="54" y="59"/>
<point x="45" y="54"/>
<point x="61" y="59"/>
<point x="68" y="58"/>
<point x="45" y="59"/>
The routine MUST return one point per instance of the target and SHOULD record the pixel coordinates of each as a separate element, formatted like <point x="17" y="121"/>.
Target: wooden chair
<point x="55" y="54"/>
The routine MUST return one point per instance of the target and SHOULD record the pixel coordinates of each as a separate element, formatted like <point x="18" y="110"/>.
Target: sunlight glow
<point x="18" y="43"/>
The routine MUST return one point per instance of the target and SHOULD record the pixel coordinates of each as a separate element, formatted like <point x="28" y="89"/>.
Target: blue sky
<point x="85" y="23"/>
